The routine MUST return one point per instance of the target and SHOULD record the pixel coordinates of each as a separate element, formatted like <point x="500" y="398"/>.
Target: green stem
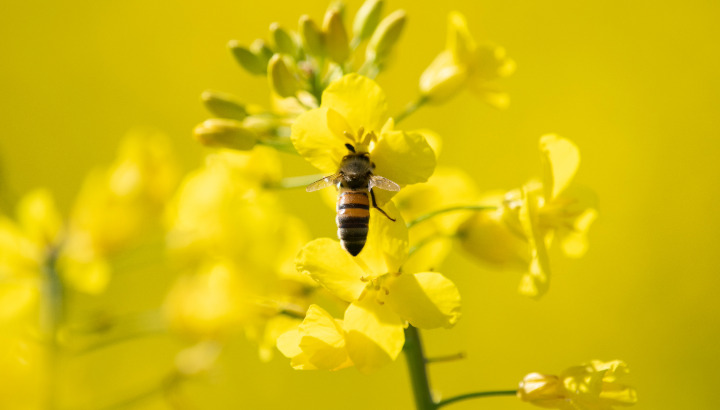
<point x="447" y="358"/>
<point x="476" y="395"/>
<point x="418" y="371"/>
<point x="297" y="182"/>
<point x="437" y="212"/>
<point x="52" y="315"/>
<point x="411" y="108"/>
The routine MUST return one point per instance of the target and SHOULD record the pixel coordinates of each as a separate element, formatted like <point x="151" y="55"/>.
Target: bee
<point x="355" y="182"/>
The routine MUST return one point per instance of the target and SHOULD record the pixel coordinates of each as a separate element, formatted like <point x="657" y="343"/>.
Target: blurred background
<point x="634" y="84"/>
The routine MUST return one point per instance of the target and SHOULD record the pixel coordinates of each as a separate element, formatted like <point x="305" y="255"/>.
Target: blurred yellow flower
<point x="354" y="111"/>
<point x="592" y="386"/>
<point x="529" y="219"/>
<point x="465" y="64"/>
<point x="117" y="209"/>
<point x="382" y="298"/>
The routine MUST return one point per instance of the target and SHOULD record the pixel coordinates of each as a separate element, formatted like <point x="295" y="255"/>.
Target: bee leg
<point x="372" y="195"/>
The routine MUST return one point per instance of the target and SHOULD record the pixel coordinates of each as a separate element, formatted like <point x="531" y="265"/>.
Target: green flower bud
<point x="311" y="36"/>
<point x="223" y="105"/>
<point x="284" y="42"/>
<point x="384" y="39"/>
<point x="247" y="59"/>
<point x="223" y="133"/>
<point x="282" y="81"/>
<point x="367" y="19"/>
<point x="336" y="38"/>
<point x="262" y="51"/>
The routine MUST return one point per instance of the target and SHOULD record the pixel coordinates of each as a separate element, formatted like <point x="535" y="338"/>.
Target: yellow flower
<point x="465" y="64"/>
<point x="592" y="386"/>
<point x="354" y="111"/>
<point x="431" y="240"/>
<point x="382" y="298"/>
<point x="549" y="209"/>
<point x="208" y="304"/>
<point x="529" y="219"/>
<point x="116" y="209"/>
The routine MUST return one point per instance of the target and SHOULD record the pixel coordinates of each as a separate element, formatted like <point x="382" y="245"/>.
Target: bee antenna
<point x="350" y="148"/>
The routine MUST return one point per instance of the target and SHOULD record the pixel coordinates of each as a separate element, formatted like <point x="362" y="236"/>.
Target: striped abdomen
<point x="353" y="215"/>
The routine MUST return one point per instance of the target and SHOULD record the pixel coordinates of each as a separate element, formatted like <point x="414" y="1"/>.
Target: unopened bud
<point x="367" y="19"/>
<point x="336" y="38"/>
<point x="387" y="34"/>
<point x="224" y="133"/>
<point x="312" y="37"/>
<point x="223" y="105"/>
<point x="284" y="42"/>
<point x="247" y="59"/>
<point x="540" y="388"/>
<point x="262" y="51"/>
<point x="282" y="81"/>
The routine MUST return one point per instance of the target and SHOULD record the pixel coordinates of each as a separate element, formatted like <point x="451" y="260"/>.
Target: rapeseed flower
<point x="382" y="298"/>
<point x="463" y="64"/>
<point x="530" y="219"/>
<point x="592" y="386"/>
<point x="354" y="111"/>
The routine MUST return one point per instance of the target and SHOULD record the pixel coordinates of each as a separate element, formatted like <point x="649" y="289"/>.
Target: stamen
<point x="361" y="130"/>
<point x="349" y="136"/>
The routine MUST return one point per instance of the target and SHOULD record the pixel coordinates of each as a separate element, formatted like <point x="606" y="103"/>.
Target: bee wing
<point x="383" y="183"/>
<point x="323" y="183"/>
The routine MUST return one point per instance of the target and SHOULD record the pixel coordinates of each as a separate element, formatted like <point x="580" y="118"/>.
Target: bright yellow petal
<point x="323" y="340"/>
<point x="386" y="248"/>
<point x="359" y="100"/>
<point x="39" y="217"/>
<point x="331" y="266"/>
<point x="459" y="40"/>
<point x="534" y="283"/>
<point x="315" y="142"/>
<point x="561" y="159"/>
<point x="403" y="157"/>
<point x="374" y="334"/>
<point x="427" y="300"/>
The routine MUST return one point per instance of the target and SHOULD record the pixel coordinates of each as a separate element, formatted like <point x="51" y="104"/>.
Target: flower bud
<point x="282" y="81"/>
<point x="311" y="36"/>
<point x="384" y="39"/>
<point x="223" y="133"/>
<point x="247" y="59"/>
<point x="284" y="42"/>
<point x="488" y="237"/>
<point x="540" y="389"/>
<point x="367" y="19"/>
<point x="223" y="105"/>
<point x="336" y="38"/>
<point x="262" y="51"/>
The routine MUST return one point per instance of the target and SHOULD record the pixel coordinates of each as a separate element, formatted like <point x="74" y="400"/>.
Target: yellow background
<point x="634" y="83"/>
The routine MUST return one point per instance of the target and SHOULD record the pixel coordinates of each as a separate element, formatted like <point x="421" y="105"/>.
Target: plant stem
<point x="418" y="371"/>
<point x="411" y="108"/>
<point x="476" y="395"/>
<point x="52" y="315"/>
<point x="433" y="214"/>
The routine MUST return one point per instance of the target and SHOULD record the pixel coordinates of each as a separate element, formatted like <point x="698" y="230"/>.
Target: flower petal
<point x="315" y="142"/>
<point x="323" y="340"/>
<point x="443" y="78"/>
<point x="427" y="300"/>
<point x="561" y="159"/>
<point x="386" y="247"/>
<point x="403" y="157"/>
<point x="359" y="99"/>
<point x="459" y="40"/>
<point x="534" y="283"/>
<point x="374" y="333"/>
<point x="331" y="266"/>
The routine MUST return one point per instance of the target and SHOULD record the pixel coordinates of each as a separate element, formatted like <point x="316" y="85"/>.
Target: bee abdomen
<point x="353" y="216"/>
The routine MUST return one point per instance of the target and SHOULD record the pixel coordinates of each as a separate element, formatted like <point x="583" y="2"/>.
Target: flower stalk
<point x="418" y="371"/>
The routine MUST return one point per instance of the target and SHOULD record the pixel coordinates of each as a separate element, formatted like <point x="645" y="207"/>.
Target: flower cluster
<point x="236" y="261"/>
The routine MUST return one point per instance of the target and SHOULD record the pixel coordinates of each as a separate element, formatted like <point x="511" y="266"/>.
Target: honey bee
<point x="355" y="182"/>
